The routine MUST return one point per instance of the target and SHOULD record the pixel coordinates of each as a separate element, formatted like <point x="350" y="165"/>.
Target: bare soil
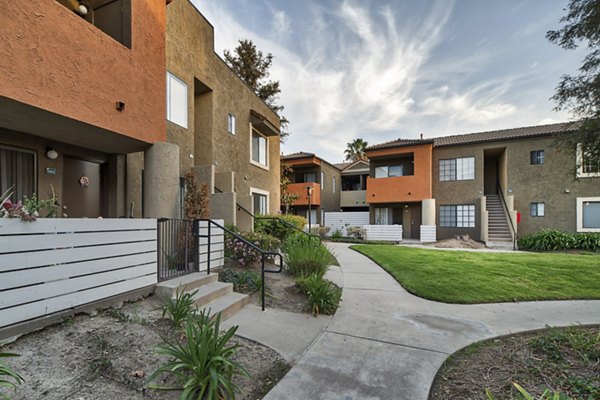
<point x="567" y="360"/>
<point x="110" y="355"/>
<point x="459" y="242"/>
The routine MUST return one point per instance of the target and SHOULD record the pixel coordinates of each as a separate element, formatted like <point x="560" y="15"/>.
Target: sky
<point x="387" y="69"/>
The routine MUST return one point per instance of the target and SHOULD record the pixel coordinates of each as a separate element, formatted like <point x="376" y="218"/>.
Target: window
<point x="322" y="180"/>
<point x="310" y="177"/>
<point x="457" y="169"/>
<point x="588" y="214"/>
<point x="395" y="170"/>
<point x="536" y="157"/>
<point x="381" y="216"/>
<point x="381" y="172"/>
<point x="459" y="216"/>
<point x="259" y="204"/>
<point x="182" y="193"/>
<point x="231" y="123"/>
<point x="259" y="148"/>
<point x="537" y="209"/>
<point x="177" y="101"/>
<point x="585" y="168"/>
<point x="334" y="184"/>
<point x="389" y="171"/>
<point x="17" y="170"/>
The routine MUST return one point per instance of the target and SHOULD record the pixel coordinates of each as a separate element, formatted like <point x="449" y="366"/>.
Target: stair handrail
<point x="263" y="253"/>
<point x="512" y="224"/>
<point x="255" y="217"/>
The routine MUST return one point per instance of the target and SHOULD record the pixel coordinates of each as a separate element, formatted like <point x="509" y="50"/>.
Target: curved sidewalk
<point x="384" y="343"/>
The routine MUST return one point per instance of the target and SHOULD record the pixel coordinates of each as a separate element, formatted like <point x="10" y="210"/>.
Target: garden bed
<point x="566" y="360"/>
<point x="110" y="355"/>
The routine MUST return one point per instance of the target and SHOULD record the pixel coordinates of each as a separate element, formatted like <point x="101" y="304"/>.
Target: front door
<point x="415" y="221"/>
<point x="82" y="188"/>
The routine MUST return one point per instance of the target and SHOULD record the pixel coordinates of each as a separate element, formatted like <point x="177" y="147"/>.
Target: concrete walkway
<point x="384" y="343"/>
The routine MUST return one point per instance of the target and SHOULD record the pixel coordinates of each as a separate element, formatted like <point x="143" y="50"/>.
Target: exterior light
<point x="82" y="9"/>
<point x="51" y="153"/>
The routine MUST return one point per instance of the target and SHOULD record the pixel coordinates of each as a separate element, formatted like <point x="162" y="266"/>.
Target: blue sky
<point x="387" y="69"/>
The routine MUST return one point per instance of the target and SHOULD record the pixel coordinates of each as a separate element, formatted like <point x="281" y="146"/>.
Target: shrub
<point x="587" y="241"/>
<point x="337" y="234"/>
<point x="278" y="229"/>
<point x="356" y="232"/>
<point x="245" y="281"/>
<point x="246" y="255"/>
<point x="9" y="379"/>
<point x="323" y="296"/>
<point x="179" y="308"/>
<point x="202" y="362"/>
<point x="548" y="239"/>
<point x="306" y="256"/>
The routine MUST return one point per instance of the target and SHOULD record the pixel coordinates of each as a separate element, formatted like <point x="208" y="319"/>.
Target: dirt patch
<point x="109" y="356"/>
<point x="459" y="242"/>
<point x="281" y="290"/>
<point x="567" y="360"/>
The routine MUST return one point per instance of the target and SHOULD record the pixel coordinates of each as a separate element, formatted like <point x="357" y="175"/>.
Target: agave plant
<point x="179" y="308"/>
<point x="202" y="362"/>
<point x="9" y="379"/>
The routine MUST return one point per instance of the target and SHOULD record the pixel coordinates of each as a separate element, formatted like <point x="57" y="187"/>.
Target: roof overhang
<point x="262" y="124"/>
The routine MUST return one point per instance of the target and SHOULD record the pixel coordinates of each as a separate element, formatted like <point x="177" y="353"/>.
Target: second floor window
<point x="259" y="148"/>
<point x="334" y="184"/>
<point x="585" y="167"/>
<point x="177" y="101"/>
<point x="457" y="169"/>
<point x="389" y="171"/>
<point x="231" y="123"/>
<point x="536" y="157"/>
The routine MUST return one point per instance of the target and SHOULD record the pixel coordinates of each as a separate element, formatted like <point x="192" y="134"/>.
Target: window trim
<point x="537" y="159"/>
<point x="537" y="209"/>
<point x="168" y="100"/>
<point x="261" y="192"/>
<point x="255" y="163"/>
<point x="334" y="180"/>
<point x="322" y="180"/>
<point x="580" y="173"/>
<point x="579" y="214"/>
<point x="456" y="173"/>
<point x="231" y="123"/>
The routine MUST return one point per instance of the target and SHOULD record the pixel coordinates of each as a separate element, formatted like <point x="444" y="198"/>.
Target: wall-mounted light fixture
<point x="51" y="153"/>
<point x="82" y="9"/>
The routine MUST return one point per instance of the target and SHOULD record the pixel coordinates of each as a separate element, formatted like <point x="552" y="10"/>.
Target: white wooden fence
<point x="391" y="233"/>
<point x="52" y="265"/>
<point x="217" y="245"/>
<point x="339" y="221"/>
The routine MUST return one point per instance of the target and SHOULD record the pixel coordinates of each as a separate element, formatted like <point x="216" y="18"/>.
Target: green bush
<point x="306" y="256"/>
<point x="246" y="255"/>
<point x="9" y="379"/>
<point x="245" y="281"/>
<point x="202" y="362"/>
<point x="277" y="228"/>
<point x="179" y="308"/>
<point x="337" y="234"/>
<point x="323" y="296"/>
<point x="555" y="240"/>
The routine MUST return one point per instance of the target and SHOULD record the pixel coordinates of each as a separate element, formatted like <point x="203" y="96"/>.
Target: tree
<point x="581" y="93"/>
<point x="356" y="150"/>
<point x="287" y="198"/>
<point x="252" y="66"/>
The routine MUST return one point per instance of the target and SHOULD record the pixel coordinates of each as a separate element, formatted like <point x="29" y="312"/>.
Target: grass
<point x="473" y="277"/>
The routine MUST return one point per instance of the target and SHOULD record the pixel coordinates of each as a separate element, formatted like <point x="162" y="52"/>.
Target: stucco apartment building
<point x="486" y="184"/>
<point x="82" y="111"/>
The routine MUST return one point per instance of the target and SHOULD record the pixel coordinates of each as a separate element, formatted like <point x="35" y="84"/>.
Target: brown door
<point x="82" y="188"/>
<point x="415" y="221"/>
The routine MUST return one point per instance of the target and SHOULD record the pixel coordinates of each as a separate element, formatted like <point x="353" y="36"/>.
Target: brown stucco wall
<point x="54" y="60"/>
<point x="330" y="200"/>
<point x="527" y="183"/>
<point x="213" y="92"/>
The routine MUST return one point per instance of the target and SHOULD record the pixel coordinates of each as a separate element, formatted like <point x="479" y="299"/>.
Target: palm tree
<point x="355" y="150"/>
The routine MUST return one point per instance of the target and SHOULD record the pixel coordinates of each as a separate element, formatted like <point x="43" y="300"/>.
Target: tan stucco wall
<point x="527" y="183"/>
<point x="54" y="60"/>
<point x="330" y="200"/>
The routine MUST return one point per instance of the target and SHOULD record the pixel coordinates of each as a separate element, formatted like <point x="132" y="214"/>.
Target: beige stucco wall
<point x="330" y="200"/>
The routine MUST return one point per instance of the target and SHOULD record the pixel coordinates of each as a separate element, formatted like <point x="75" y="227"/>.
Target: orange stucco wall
<point x="300" y="190"/>
<point x="52" y="59"/>
<point x="402" y="188"/>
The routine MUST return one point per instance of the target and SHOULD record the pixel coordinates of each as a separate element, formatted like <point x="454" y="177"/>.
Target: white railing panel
<point x="339" y="221"/>
<point x="390" y="233"/>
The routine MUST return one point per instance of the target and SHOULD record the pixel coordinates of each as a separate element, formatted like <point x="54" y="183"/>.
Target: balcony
<point x="353" y="198"/>
<point x="399" y="189"/>
<point x="300" y="190"/>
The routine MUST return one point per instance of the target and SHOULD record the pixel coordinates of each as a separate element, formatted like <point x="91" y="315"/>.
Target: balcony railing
<point x="398" y="189"/>
<point x="300" y="190"/>
<point x="353" y="198"/>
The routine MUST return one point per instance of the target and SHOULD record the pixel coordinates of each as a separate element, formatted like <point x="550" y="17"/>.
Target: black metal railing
<point x="280" y="221"/>
<point x="197" y="232"/>
<point x="512" y="224"/>
<point x="175" y="248"/>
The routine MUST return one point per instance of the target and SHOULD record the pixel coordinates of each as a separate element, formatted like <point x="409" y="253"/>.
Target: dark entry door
<point x="490" y="176"/>
<point x="415" y="222"/>
<point x="82" y="188"/>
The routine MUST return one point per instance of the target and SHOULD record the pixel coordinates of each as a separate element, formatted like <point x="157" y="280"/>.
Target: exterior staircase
<point x="499" y="234"/>
<point x="217" y="296"/>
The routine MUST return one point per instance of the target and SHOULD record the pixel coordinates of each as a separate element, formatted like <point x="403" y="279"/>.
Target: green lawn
<point x="470" y="277"/>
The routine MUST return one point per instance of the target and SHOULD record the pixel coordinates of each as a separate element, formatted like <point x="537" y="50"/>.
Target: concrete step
<point x="212" y="291"/>
<point x="500" y="244"/>
<point x="186" y="283"/>
<point x="226" y="305"/>
<point x="497" y="238"/>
